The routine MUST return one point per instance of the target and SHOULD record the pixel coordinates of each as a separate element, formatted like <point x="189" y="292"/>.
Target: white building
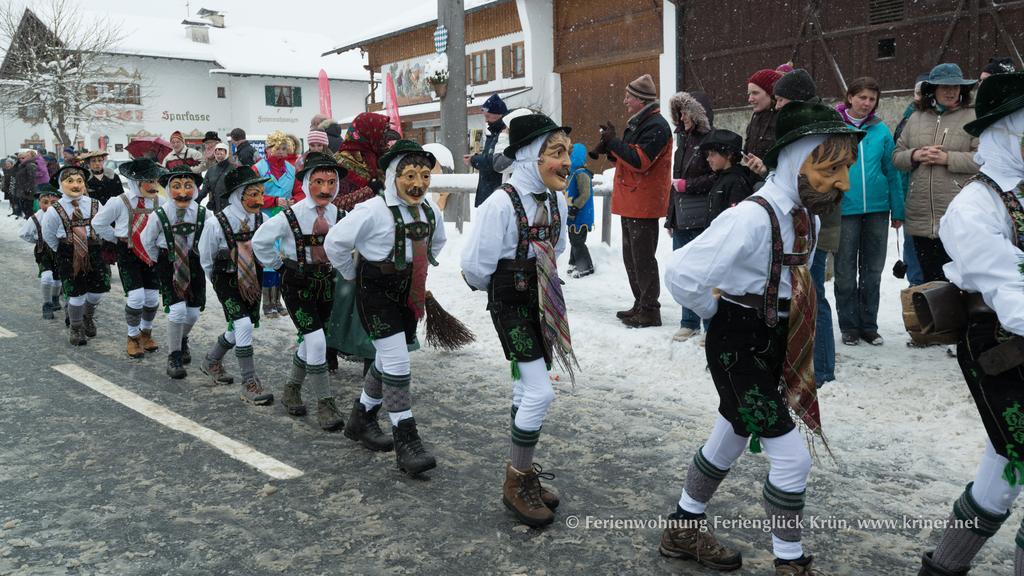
<point x="202" y="74"/>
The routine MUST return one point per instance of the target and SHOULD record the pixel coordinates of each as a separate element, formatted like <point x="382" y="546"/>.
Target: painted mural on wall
<point x="410" y="76"/>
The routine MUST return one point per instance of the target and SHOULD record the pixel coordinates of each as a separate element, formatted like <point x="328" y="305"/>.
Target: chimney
<point x="215" y="18"/>
<point x="197" y="33"/>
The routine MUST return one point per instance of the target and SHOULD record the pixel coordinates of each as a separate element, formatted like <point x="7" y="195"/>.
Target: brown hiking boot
<point x="146" y="340"/>
<point x="643" y="319"/>
<point x="521" y="495"/>
<point x="292" y="399"/>
<point x="693" y="540"/>
<point x="623" y="314"/>
<point x="547" y="496"/>
<point x="76" y="337"/>
<point x="799" y="567"/>
<point x="253" y="393"/>
<point x="215" y="370"/>
<point x="88" y="326"/>
<point x="135" y="347"/>
<point x="328" y="416"/>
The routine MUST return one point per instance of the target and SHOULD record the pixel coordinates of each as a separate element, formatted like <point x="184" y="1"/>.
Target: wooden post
<point x="454" y="125"/>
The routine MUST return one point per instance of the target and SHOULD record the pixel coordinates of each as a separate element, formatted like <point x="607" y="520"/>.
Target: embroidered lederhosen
<point x="382" y="288"/>
<point x="512" y="297"/>
<point x="44" y="256"/>
<point x="225" y="273"/>
<point x="134" y="273"/>
<point x="196" y="297"/>
<point x="307" y="288"/>
<point x="746" y="348"/>
<point x="97" y="279"/>
<point x="999" y="398"/>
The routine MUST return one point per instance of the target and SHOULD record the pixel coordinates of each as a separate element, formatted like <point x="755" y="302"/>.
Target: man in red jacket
<point x="643" y="164"/>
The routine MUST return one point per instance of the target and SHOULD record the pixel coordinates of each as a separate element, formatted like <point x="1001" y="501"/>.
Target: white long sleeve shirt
<point x="495" y="235"/>
<point x="370" y="230"/>
<point x="733" y="254"/>
<point x="213" y="239"/>
<point x="153" y="239"/>
<point x="113" y="220"/>
<point x="265" y="243"/>
<point x="977" y="233"/>
<point x="28" y="231"/>
<point x="53" y="228"/>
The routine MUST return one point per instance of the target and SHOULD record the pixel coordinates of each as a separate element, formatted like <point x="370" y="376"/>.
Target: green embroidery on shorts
<point x="232" y="307"/>
<point x="520" y="339"/>
<point x="304" y="319"/>
<point x="378" y="327"/>
<point x="726" y="359"/>
<point x="758" y="412"/>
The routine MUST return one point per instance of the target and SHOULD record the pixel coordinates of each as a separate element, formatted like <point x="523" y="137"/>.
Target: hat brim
<point x="976" y="127"/>
<point x="250" y="182"/>
<point x="339" y="169"/>
<point x="386" y="159"/>
<point x="511" y="150"/>
<point x="154" y="172"/>
<point x="55" y="179"/>
<point x="771" y="157"/>
<point x="94" y="154"/>
<point x="168" y="176"/>
<point x="950" y="82"/>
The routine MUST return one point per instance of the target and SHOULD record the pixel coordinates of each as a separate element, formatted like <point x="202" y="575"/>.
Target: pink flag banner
<point x="391" y="103"/>
<point x="325" y="94"/>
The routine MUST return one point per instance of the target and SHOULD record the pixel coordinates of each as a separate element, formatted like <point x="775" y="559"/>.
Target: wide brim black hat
<point x="241" y="177"/>
<point x="722" y="140"/>
<point x="179" y="171"/>
<point x="526" y="129"/>
<point x="55" y="179"/>
<point x="211" y="135"/>
<point x="999" y="96"/>
<point x="320" y="161"/>
<point x="141" y="170"/>
<point x="799" y="119"/>
<point x="404" y="147"/>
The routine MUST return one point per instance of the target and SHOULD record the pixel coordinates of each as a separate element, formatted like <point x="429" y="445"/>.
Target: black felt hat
<point x="211" y="135"/>
<point x="320" y="161"/>
<point x="404" y="147"/>
<point x="141" y="170"/>
<point x="526" y="129"/>
<point x="55" y="179"/>
<point x="241" y="177"/>
<point x="724" y="141"/>
<point x="179" y="171"/>
<point x="999" y="95"/>
<point x="799" y="119"/>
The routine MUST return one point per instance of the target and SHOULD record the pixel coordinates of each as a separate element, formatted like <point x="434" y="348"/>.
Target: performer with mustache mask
<point x="759" y="345"/>
<point x="171" y="239"/>
<point x="396" y="234"/>
<point x="68" y="231"/>
<point x="226" y="254"/>
<point x="122" y="222"/>
<point x="511" y="253"/>
<point x="307" y="280"/>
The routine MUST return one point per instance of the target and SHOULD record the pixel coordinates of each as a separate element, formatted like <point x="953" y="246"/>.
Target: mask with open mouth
<point x="413" y="178"/>
<point x="555" y="162"/>
<point x="149" y="188"/>
<point x="252" y="198"/>
<point x="73" y="185"/>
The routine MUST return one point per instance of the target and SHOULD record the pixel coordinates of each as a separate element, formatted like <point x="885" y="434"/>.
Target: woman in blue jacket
<point x="873" y="203"/>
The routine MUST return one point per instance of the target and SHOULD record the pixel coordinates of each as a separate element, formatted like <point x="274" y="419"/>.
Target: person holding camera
<point x="643" y="171"/>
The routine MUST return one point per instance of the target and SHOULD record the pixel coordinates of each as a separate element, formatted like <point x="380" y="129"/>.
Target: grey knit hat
<point x="796" y="85"/>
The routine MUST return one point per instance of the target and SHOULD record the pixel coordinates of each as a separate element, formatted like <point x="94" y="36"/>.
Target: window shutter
<point x="490" y="65"/>
<point x="506" y="62"/>
<point x="268" y="92"/>
<point x="296" y="96"/>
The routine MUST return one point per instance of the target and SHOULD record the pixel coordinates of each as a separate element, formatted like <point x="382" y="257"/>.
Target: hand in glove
<point x="573" y="211"/>
<point x="607" y="132"/>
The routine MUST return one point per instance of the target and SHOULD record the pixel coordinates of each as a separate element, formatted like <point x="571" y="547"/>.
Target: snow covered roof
<point x="237" y="49"/>
<point x="395" y="24"/>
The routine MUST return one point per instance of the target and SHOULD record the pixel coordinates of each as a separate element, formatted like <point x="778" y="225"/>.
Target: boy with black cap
<point x="226" y="254"/>
<point x="759" y="345"/>
<point x="397" y="234"/>
<point x="983" y="233"/>
<point x="68" y="230"/>
<point x="32" y="232"/>
<point x="512" y="253"/>
<point x="171" y="239"/>
<point x="723" y="150"/>
<point x="122" y="222"/>
<point x="292" y="242"/>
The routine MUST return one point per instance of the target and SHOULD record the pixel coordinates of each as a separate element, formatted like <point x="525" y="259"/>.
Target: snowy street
<point x="101" y="489"/>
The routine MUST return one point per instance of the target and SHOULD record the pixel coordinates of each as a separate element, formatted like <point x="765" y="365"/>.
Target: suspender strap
<point x="165" y="224"/>
<point x="1010" y="201"/>
<point x="770" y="304"/>
<point x="398" y="251"/>
<point x="300" y="239"/>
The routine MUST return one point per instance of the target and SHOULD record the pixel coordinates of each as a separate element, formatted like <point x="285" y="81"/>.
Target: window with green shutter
<point x="283" y="96"/>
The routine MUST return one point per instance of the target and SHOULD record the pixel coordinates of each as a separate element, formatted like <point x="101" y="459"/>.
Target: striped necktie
<point x="418" y="291"/>
<point x="798" y="369"/>
<point x="320" y="228"/>
<point x="551" y="303"/>
<point x="248" y="281"/>
<point x="138" y="219"/>
<point x="182" y="274"/>
<point x="79" y="240"/>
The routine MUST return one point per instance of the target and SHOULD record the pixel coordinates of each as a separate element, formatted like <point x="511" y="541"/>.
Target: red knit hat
<point x="765" y="79"/>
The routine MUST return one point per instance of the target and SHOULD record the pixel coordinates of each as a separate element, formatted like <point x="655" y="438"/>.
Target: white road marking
<point x="265" y="464"/>
<point x="5" y="333"/>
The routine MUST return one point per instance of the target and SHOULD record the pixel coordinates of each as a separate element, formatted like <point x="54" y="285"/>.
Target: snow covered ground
<point x="900" y="421"/>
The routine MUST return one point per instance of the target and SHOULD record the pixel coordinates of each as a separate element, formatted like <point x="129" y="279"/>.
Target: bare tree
<point x="56" y="67"/>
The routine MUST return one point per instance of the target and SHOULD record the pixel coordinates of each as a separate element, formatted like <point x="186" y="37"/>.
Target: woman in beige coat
<point x="940" y="157"/>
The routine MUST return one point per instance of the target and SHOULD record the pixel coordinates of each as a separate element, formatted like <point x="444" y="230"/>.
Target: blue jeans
<point x="824" y="339"/>
<point x="859" y="264"/>
<point x="681" y="238"/>
<point x="914" y="274"/>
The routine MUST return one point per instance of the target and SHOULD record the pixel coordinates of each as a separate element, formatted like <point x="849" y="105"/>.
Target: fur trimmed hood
<point x="699" y="112"/>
